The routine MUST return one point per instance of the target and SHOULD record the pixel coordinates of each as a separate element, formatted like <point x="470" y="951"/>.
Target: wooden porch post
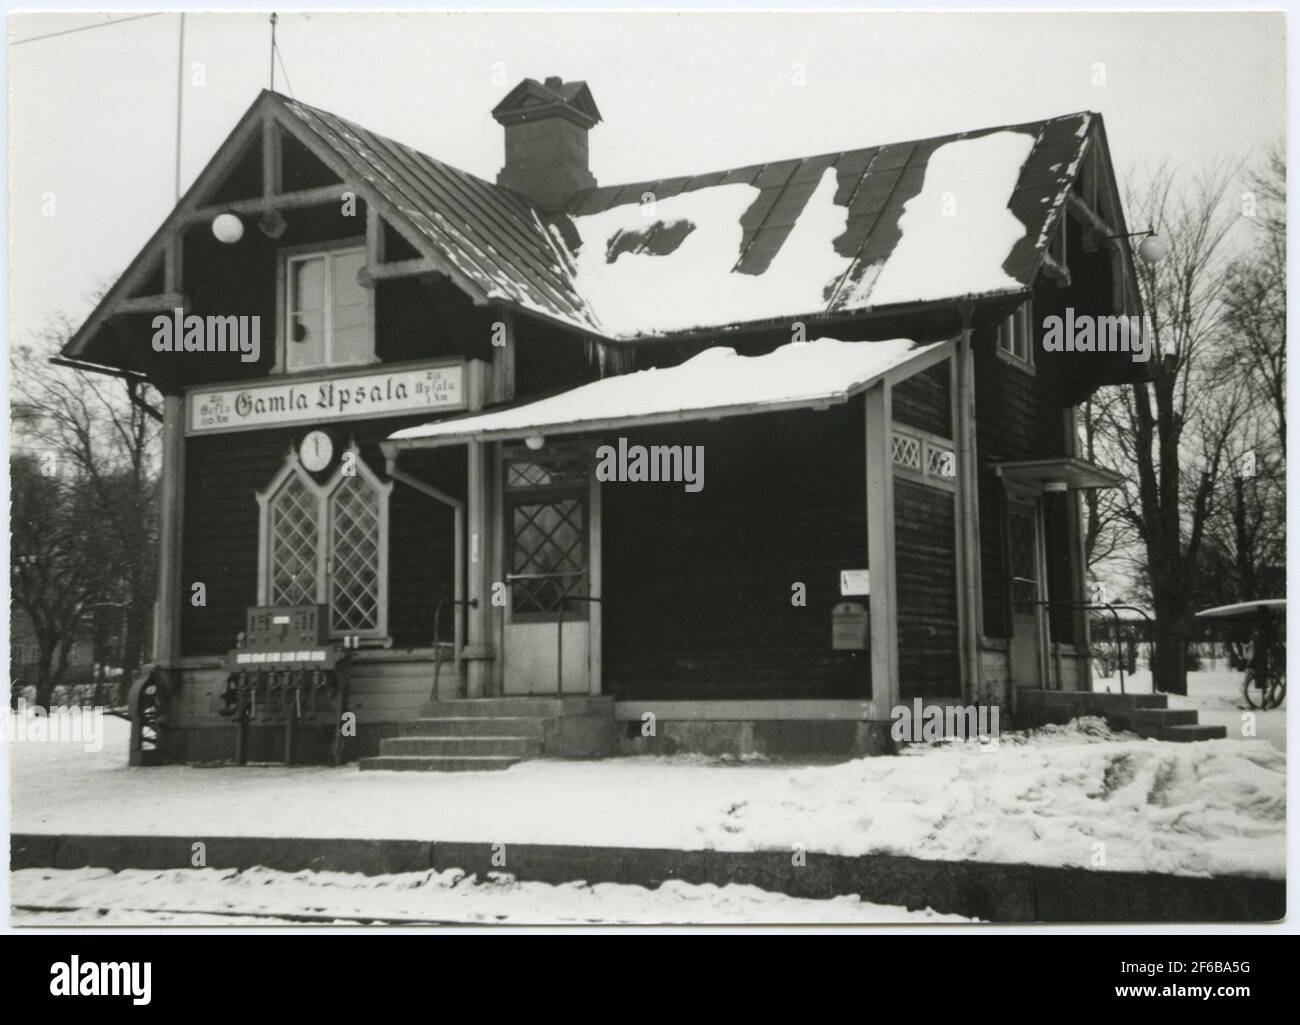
<point x="970" y="599"/>
<point x="167" y="626"/>
<point x="880" y="550"/>
<point x="479" y="654"/>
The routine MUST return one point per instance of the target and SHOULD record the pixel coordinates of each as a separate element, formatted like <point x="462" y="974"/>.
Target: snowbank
<point x="1216" y="807"/>
<point x="258" y="895"/>
<point x="1213" y="808"/>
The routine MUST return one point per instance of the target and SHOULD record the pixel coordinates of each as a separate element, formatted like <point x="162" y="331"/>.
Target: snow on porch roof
<point x="714" y="384"/>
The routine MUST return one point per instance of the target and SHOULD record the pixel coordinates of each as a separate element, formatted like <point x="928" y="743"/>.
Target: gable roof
<point x="492" y="235"/>
<point x="826" y="236"/>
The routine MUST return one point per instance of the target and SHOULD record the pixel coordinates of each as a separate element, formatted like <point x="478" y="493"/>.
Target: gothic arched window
<point x="327" y="544"/>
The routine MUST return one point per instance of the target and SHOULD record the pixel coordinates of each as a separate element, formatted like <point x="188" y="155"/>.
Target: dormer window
<point x="1016" y="336"/>
<point x="329" y="318"/>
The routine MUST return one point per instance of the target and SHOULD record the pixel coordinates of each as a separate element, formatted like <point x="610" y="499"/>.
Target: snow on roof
<point x="626" y="291"/>
<point x="937" y="219"/>
<point x="717" y="382"/>
<point x="958" y="230"/>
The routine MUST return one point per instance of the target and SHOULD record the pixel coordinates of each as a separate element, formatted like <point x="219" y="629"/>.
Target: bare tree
<point x="56" y="567"/>
<point x="1174" y="429"/>
<point x="106" y="431"/>
<point x="1255" y="297"/>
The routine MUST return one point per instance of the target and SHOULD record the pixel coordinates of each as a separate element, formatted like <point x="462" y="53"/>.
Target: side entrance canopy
<point x="716" y="383"/>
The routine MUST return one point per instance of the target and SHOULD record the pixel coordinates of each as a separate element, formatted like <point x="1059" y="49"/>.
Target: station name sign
<point x="367" y="395"/>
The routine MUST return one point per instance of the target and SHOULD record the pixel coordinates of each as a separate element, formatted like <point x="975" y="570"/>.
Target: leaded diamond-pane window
<point x="327" y="543"/>
<point x="549" y="557"/>
<point x="354" y="556"/>
<point x="527" y="474"/>
<point x="293" y="543"/>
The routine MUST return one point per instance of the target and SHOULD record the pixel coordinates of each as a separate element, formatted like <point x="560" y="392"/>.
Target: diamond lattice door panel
<point x="294" y="545"/>
<point x="548" y="554"/>
<point x="354" y="556"/>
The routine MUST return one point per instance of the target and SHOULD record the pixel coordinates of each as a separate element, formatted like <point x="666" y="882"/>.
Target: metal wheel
<point x="1255" y="694"/>
<point x="1277" y="692"/>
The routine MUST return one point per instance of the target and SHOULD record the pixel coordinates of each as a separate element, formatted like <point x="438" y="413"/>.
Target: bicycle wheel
<point x="1277" y="692"/>
<point x="1255" y="696"/>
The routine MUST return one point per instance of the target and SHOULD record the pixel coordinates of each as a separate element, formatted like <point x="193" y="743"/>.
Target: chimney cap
<point x="531" y="100"/>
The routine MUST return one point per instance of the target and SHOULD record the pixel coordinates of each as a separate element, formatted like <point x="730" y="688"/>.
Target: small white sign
<point x="854" y="582"/>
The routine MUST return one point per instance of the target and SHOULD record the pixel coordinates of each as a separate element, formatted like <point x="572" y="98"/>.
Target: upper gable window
<point x="1016" y="335"/>
<point x="329" y="318"/>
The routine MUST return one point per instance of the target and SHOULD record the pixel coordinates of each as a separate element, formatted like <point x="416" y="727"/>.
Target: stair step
<point x="434" y="763"/>
<point x="522" y="706"/>
<point x="512" y="747"/>
<point x="476" y="726"/>
<point x="1154" y="717"/>
<point x="1187" y="734"/>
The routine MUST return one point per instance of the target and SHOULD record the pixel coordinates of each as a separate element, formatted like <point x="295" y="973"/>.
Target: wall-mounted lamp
<point x="534" y="441"/>
<point x="227" y="228"/>
<point x="1152" y="249"/>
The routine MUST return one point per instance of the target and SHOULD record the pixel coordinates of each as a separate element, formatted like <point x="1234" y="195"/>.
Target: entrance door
<point x="1027" y="589"/>
<point x="547" y="557"/>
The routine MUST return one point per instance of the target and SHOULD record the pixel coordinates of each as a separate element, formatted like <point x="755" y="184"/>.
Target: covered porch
<point x="753" y="581"/>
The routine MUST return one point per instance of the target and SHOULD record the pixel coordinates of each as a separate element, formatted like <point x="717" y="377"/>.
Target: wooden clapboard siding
<point x="1018" y="415"/>
<point x="924" y="400"/>
<point x="925" y="542"/>
<point x="697" y="587"/>
<point x="221" y="523"/>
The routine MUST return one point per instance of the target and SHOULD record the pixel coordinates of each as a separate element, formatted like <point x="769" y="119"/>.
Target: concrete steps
<point x="1147" y="715"/>
<point x="487" y="734"/>
<point x="413" y="763"/>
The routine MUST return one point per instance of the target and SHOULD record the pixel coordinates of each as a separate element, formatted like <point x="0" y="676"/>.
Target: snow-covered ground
<point x="1216" y="807"/>
<point x="261" y="896"/>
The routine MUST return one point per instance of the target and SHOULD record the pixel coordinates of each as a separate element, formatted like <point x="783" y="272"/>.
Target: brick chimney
<point x="546" y="127"/>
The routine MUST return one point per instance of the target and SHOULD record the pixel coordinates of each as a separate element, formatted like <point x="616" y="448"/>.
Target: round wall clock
<point x="316" y="451"/>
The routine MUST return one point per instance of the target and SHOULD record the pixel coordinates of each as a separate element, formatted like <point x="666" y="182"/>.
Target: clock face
<point x="316" y="452"/>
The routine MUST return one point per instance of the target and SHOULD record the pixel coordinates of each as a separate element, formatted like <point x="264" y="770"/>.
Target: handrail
<point x="455" y="641"/>
<point x="1110" y="607"/>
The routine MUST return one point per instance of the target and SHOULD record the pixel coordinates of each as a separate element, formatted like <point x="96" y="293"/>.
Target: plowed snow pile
<point x="1211" y="808"/>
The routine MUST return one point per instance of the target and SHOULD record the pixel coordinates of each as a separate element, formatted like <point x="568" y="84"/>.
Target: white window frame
<point x="324" y="524"/>
<point x="323" y="251"/>
<point x="1021" y="317"/>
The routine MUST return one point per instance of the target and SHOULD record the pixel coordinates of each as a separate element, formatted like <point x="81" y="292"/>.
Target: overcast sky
<point x="93" y="114"/>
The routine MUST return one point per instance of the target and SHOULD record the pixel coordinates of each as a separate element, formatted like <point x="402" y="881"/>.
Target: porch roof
<point x="1075" y="474"/>
<point x="717" y="383"/>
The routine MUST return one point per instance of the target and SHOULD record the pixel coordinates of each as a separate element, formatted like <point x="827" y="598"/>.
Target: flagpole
<point x="180" y="93"/>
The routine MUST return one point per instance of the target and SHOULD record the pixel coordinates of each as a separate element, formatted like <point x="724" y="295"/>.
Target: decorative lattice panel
<point x="294" y="545"/>
<point x="907" y="451"/>
<point x="354" y="555"/>
<point x="548" y="554"/>
<point x="940" y="462"/>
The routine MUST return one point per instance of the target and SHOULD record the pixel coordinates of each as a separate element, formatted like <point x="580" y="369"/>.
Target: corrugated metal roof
<point x="515" y="254"/>
<point x="491" y="234"/>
